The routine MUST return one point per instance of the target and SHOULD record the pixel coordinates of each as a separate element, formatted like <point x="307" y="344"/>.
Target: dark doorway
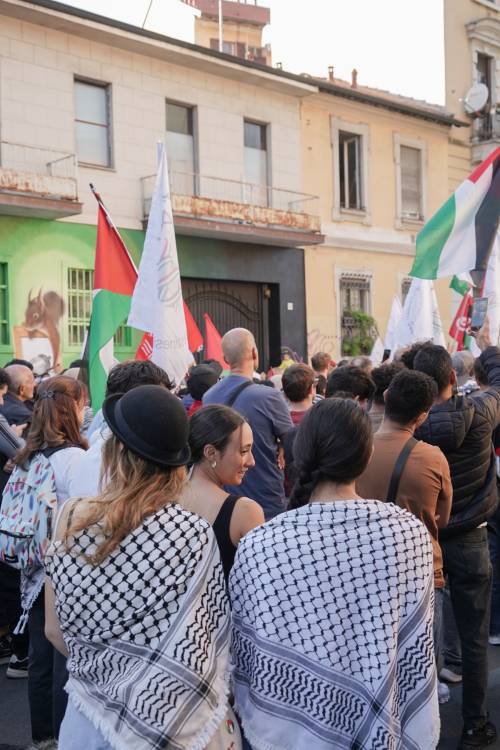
<point x="232" y="304"/>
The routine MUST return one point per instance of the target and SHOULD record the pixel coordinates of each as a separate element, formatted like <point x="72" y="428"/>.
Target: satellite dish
<point x="476" y="98"/>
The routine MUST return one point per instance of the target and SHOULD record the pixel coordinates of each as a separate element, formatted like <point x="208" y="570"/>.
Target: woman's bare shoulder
<point x="247" y="515"/>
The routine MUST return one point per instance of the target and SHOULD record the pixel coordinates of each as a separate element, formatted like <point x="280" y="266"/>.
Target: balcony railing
<point x="38" y="171"/>
<point x="216" y="197"/>
<point x="485" y="135"/>
<point x="487" y="127"/>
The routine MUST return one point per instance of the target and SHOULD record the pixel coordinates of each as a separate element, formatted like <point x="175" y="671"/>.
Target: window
<point x="355" y="291"/>
<point x="256" y="166"/>
<point x="80" y="292"/>
<point x="350" y="171"/>
<point x="80" y="287"/>
<point x="484" y="63"/>
<point x="92" y="121"/>
<point x="410" y="157"/>
<point x="4" y="305"/>
<point x="238" y="49"/>
<point x="351" y="166"/>
<point x="181" y="148"/>
<point x="354" y="294"/>
<point x="484" y="123"/>
<point x="411" y="183"/>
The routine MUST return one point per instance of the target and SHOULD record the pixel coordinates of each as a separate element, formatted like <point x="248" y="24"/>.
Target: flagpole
<point x="111" y="223"/>
<point x="221" y="28"/>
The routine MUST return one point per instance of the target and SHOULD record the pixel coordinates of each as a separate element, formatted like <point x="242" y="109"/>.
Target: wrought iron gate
<point x="230" y="304"/>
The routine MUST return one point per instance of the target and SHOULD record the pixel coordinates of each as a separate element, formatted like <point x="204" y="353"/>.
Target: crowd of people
<point x="300" y="562"/>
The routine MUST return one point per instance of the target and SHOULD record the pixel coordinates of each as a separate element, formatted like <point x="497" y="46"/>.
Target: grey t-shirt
<point x="269" y="417"/>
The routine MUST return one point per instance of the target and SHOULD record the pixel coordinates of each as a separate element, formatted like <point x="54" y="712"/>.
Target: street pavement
<point x="14" y="718"/>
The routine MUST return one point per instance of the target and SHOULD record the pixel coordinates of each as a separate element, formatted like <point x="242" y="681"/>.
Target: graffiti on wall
<point x="38" y="338"/>
<point x="317" y="341"/>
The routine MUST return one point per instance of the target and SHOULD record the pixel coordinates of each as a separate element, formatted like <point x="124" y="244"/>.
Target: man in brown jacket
<point x="424" y="486"/>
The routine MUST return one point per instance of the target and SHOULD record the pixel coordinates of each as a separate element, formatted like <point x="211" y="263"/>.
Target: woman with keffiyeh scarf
<point x="332" y="608"/>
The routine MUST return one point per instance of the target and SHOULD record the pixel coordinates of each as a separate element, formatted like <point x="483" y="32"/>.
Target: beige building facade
<point x="472" y="57"/>
<point x="380" y="165"/>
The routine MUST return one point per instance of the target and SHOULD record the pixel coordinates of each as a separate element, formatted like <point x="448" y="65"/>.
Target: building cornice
<point x="485" y="30"/>
<point x="392" y="105"/>
<point x="373" y="239"/>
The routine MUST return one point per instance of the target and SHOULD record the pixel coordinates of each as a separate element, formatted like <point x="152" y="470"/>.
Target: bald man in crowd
<point x="267" y="413"/>
<point x="18" y="402"/>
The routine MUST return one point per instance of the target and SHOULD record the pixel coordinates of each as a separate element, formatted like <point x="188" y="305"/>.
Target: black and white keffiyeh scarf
<point x="147" y="633"/>
<point x="332" y="630"/>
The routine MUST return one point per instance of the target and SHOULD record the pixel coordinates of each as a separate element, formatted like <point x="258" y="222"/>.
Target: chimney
<point x="354" y="80"/>
<point x="279" y="66"/>
<point x="330" y="72"/>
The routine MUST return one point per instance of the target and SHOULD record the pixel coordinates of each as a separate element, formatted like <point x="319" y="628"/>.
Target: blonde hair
<point x="134" y="489"/>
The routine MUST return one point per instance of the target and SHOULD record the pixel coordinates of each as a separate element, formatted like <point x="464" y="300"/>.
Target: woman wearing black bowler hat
<point x="138" y="588"/>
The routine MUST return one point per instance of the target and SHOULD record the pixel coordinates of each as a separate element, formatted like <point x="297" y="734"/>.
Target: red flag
<point x="459" y="326"/>
<point x="213" y="345"/>
<point x="195" y="339"/>
<point x="145" y="348"/>
<point x="114" y="269"/>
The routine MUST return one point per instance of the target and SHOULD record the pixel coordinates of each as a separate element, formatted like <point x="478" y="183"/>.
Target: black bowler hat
<point x="151" y="422"/>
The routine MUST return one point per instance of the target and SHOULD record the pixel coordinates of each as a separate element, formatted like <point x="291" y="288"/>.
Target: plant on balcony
<point x="359" y="331"/>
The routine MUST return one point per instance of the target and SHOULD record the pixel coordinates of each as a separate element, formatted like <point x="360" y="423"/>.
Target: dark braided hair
<point x="334" y="441"/>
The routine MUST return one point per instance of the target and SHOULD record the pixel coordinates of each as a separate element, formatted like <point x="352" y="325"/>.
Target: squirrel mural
<point x="43" y="314"/>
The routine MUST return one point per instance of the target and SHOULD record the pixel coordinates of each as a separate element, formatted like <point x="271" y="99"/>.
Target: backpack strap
<point x="399" y="466"/>
<point x="237" y="391"/>
<point x="48" y="452"/>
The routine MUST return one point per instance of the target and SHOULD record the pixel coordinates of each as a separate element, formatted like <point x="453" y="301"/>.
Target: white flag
<point x="392" y="325"/>
<point x="420" y="320"/>
<point x="377" y="352"/>
<point x="157" y="305"/>
<point x="492" y="291"/>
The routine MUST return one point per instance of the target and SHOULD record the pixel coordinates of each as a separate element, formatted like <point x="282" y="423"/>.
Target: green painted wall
<point x="38" y="253"/>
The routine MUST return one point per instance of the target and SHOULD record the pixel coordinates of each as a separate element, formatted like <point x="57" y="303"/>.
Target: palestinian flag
<point x="459" y="237"/>
<point x="458" y="329"/>
<point x="459" y="286"/>
<point x="114" y="280"/>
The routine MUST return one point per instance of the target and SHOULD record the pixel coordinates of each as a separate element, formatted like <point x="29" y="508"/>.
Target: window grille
<point x="80" y="292"/>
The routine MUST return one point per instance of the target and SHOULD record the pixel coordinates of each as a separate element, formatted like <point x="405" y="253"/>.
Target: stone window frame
<point x="363" y="215"/>
<point x="364" y="273"/>
<point x="405" y="222"/>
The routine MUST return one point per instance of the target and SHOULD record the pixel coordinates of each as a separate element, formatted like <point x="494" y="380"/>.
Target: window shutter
<point x="411" y="166"/>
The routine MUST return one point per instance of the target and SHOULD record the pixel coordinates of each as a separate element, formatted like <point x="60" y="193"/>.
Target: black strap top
<point x="221" y="530"/>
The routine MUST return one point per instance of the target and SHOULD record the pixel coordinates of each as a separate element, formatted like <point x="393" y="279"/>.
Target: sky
<point x="396" y="45"/>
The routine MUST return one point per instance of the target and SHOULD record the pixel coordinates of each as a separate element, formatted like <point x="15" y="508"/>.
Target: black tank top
<point x="221" y="530"/>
